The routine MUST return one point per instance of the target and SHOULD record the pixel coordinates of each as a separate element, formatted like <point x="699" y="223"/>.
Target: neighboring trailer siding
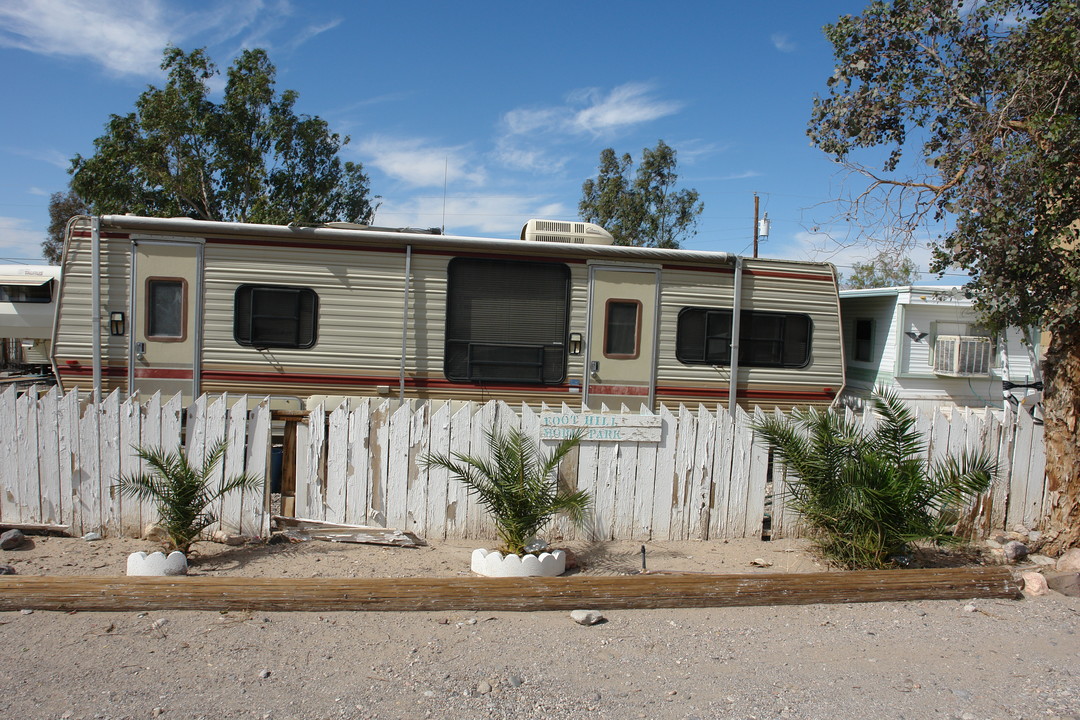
<point x="74" y="331"/>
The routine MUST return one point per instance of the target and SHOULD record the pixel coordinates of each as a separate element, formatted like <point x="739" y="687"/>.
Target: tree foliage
<point x="989" y="93"/>
<point x="641" y="207"/>
<point x="869" y="492"/>
<point x="249" y="158"/>
<point x="885" y="269"/>
<point x="986" y="96"/>
<point x="62" y="207"/>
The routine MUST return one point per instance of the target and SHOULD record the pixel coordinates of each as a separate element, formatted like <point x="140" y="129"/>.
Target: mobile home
<point x="559" y="315"/>
<point x="27" y="306"/>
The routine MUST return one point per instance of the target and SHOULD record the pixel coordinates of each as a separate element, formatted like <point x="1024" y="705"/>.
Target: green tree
<point x="869" y="493"/>
<point x="987" y="95"/>
<point x="886" y="269"/>
<point x="62" y="207"/>
<point x="641" y="208"/>
<point x="249" y="158"/>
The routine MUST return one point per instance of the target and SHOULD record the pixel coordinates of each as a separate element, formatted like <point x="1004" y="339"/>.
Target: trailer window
<point x="622" y="329"/>
<point x="27" y="293"/>
<point x="766" y="339"/>
<point x="864" y="340"/>
<point x="165" y="303"/>
<point x="275" y="316"/>
<point x="506" y="321"/>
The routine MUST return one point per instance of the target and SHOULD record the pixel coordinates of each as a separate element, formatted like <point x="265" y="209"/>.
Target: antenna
<point x="446" y="165"/>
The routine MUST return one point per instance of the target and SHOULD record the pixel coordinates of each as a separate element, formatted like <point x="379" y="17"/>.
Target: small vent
<point x="962" y="356"/>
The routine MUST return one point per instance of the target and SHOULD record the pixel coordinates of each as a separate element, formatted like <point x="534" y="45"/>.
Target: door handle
<point x="140" y="351"/>
<point x="594" y="368"/>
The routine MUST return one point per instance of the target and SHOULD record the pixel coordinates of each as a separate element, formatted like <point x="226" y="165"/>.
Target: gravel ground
<point x="931" y="659"/>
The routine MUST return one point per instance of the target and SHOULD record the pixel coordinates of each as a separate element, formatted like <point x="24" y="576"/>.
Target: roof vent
<point x="577" y="233"/>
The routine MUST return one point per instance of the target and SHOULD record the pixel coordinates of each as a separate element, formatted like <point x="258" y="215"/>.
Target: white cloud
<point x="528" y="134"/>
<point x="20" y="241"/>
<point x="782" y="42"/>
<point x="823" y="246"/>
<point x="418" y="164"/>
<point x="126" y="37"/>
<point x="496" y="216"/>
<point x="512" y="153"/>
<point x="630" y="104"/>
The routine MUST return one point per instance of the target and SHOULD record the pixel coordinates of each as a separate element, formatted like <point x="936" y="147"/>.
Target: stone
<point x="224" y="538"/>
<point x="1065" y="583"/>
<point x="11" y="539"/>
<point x="1042" y="560"/>
<point x="1015" y="551"/>
<point x="7" y="569"/>
<point x="264" y="674"/>
<point x="155" y="533"/>
<point x="483" y="688"/>
<point x="157" y="564"/>
<point x="1069" y="562"/>
<point x="586" y="617"/>
<point x="26" y="611"/>
<point x="514" y="681"/>
<point x="1022" y="537"/>
<point x="1019" y="528"/>
<point x="992" y="543"/>
<point x="91" y="537"/>
<point x="1035" y="584"/>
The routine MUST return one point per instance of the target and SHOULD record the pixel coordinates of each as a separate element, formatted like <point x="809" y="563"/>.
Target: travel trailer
<point x="27" y="306"/>
<point x="559" y="315"/>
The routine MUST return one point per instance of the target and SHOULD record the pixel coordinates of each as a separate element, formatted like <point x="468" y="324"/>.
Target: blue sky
<point x="510" y="102"/>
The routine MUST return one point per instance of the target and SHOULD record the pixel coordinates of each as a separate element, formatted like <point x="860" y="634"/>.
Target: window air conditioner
<point x="962" y="356"/>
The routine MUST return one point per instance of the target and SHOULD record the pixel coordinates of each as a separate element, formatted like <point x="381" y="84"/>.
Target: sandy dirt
<point x="968" y="659"/>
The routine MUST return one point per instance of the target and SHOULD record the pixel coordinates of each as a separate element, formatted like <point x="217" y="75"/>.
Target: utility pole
<point x="755" y="223"/>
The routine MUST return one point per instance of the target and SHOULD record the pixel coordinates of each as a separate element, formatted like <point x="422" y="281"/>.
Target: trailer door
<point x="620" y="366"/>
<point x="165" y="326"/>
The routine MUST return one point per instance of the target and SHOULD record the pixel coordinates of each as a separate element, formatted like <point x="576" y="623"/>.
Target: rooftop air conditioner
<point x="576" y="233"/>
<point x="962" y="356"/>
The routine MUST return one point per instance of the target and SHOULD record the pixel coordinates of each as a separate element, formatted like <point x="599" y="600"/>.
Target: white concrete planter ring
<point x="493" y="563"/>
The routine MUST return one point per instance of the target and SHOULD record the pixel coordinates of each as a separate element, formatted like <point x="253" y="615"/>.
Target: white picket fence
<point x="60" y="458"/>
<point x="706" y="478"/>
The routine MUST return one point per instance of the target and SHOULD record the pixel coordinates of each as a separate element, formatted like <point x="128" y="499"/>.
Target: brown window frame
<point x="183" y="309"/>
<point x="637" y="328"/>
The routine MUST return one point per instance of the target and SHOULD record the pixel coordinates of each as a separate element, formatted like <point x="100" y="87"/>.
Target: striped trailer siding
<point x="368" y="306"/>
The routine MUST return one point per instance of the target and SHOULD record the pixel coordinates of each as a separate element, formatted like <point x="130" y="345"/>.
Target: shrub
<point x="869" y="493"/>
<point x="518" y="485"/>
<point x="180" y="493"/>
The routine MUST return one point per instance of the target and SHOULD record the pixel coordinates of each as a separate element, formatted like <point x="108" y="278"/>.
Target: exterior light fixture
<point x="575" y="343"/>
<point x="116" y="323"/>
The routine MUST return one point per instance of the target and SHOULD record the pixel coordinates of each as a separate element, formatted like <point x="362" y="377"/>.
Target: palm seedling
<point x="517" y="484"/>
<point x="182" y="494"/>
<point x="870" y="493"/>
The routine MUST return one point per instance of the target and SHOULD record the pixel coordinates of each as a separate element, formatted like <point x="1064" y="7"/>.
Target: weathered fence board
<point x="362" y="463"/>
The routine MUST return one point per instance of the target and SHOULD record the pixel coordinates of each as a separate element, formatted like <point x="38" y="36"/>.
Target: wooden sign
<point x="601" y="428"/>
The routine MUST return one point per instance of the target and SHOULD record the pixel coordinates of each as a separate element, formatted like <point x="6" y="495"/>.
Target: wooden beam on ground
<point x="507" y="594"/>
<point x="37" y="528"/>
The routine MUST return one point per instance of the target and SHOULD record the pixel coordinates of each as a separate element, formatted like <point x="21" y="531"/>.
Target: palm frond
<point x="517" y="484"/>
<point x="870" y="492"/>
<point x="180" y="492"/>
